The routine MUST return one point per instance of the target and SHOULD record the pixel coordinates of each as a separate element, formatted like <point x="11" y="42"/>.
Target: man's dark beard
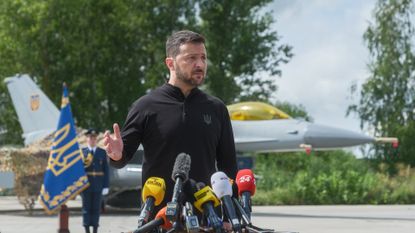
<point x="185" y="78"/>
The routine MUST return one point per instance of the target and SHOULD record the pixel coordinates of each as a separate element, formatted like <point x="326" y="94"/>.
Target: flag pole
<point x="64" y="211"/>
<point x="65" y="175"/>
<point x="64" y="219"/>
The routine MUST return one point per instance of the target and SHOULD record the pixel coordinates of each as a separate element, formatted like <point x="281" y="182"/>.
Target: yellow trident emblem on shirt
<point x="88" y="159"/>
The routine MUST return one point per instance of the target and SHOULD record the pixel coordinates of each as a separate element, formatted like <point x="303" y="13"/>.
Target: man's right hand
<point x="113" y="144"/>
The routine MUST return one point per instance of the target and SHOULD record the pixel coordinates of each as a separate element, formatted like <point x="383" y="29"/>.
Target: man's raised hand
<point x="113" y="144"/>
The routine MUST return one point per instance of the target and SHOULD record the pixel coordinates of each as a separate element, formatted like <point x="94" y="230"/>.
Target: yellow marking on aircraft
<point x="248" y="111"/>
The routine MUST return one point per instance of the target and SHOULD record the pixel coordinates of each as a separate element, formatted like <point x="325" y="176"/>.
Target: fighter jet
<point x="257" y="127"/>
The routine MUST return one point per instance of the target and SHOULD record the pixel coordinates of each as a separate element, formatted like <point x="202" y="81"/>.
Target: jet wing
<point x="255" y="140"/>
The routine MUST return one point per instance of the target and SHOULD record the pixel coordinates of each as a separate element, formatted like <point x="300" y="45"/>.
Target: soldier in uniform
<point x="96" y="167"/>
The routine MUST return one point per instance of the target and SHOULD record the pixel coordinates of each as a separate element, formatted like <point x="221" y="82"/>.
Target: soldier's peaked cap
<point x="91" y="131"/>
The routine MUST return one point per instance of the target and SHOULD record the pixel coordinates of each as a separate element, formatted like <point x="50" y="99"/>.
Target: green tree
<point x="10" y="131"/>
<point x="387" y="98"/>
<point x="295" y="111"/>
<point x="11" y="63"/>
<point x="111" y="52"/>
<point x="242" y="49"/>
<point x="108" y="52"/>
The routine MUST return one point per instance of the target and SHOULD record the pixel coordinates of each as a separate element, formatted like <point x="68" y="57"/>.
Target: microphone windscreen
<point x="154" y="187"/>
<point x="189" y="188"/>
<point x="200" y="185"/>
<point x="181" y="167"/>
<point x="245" y="180"/>
<point x="221" y="184"/>
<point x="162" y="215"/>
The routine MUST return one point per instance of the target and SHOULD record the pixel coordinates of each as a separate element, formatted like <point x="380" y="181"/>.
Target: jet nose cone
<point x="320" y="136"/>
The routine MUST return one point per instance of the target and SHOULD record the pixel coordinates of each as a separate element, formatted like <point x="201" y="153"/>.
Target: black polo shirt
<point x="167" y="123"/>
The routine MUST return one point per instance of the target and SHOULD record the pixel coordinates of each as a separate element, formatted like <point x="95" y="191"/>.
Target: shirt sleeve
<point x="131" y="135"/>
<point x="225" y="152"/>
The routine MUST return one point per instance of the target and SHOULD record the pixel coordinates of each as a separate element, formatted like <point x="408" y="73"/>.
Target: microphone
<point x="159" y="221"/>
<point x="152" y="195"/>
<point x="245" y="181"/>
<point x="192" y="223"/>
<point x="245" y="218"/>
<point x="222" y="187"/>
<point x="179" y="175"/>
<point x="205" y="203"/>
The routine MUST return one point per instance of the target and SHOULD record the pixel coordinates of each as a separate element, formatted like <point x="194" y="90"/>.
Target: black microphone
<point x="149" y="226"/>
<point x="222" y="187"/>
<point x="245" y="218"/>
<point x="205" y="202"/>
<point x="159" y="221"/>
<point x="179" y="175"/>
<point x="192" y="223"/>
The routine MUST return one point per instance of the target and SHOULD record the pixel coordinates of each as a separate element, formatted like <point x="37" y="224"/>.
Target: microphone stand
<point x="177" y="207"/>
<point x="246" y="221"/>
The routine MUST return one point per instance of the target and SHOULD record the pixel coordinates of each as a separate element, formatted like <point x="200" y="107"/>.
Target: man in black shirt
<point x="177" y="117"/>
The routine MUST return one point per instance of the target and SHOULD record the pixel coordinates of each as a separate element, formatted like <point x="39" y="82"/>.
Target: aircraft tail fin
<point x="37" y="115"/>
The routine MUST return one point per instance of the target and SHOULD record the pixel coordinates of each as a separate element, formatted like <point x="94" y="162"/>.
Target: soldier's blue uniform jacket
<point x="96" y="167"/>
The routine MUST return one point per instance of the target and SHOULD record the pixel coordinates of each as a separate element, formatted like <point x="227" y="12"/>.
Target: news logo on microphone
<point x="245" y="180"/>
<point x="152" y="195"/>
<point x="154" y="187"/>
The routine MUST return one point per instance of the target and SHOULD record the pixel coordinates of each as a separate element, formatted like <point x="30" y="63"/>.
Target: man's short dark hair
<point x="181" y="37"/>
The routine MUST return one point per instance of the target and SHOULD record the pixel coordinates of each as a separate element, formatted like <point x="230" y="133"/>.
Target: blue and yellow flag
<point x="65" y="175"/>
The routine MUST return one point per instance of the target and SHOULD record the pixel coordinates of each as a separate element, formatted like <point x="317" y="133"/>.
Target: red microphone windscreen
<point x="246" y="181"/>
<point x="162" y="214"/>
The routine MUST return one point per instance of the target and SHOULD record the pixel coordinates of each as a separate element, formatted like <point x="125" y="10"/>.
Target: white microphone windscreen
<point x="221" y="184"/>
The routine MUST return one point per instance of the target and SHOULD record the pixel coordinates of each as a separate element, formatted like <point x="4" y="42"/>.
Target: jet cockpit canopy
<point x="254" y="111"/>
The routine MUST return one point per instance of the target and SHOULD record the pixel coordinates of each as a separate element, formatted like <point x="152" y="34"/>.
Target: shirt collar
<point x="177" y="92"/>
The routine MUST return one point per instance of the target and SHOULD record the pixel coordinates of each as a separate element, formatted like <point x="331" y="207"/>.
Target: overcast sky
<point x="329" y="55"/>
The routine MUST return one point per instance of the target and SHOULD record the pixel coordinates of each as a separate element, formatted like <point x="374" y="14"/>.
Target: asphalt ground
<point x="303" y="219"/>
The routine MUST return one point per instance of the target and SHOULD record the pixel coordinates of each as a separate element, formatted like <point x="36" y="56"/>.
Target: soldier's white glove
<point x="105" y="191"/>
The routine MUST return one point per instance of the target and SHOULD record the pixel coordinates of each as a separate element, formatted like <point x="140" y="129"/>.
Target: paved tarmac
<point x="303" y="219"/>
